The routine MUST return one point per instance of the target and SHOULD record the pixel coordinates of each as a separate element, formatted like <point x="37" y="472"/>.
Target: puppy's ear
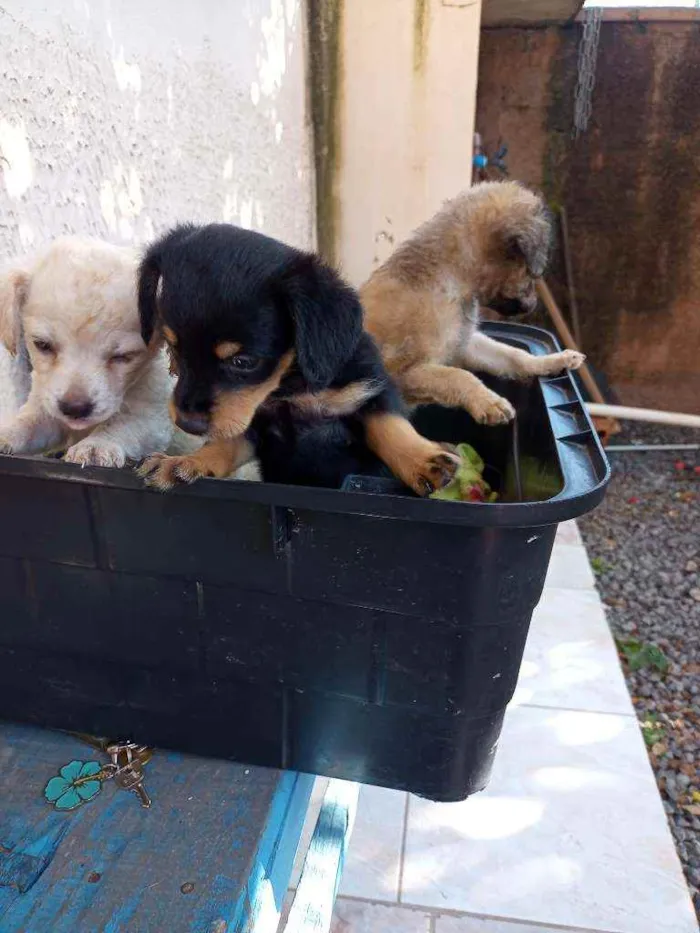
<point x="327" y="317"/>
<point x="532" y="241"/>
<point x="14" y="288"/>
<point x="148" y="280"/>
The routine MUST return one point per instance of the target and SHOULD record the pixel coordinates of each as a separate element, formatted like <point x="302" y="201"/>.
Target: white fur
<point x="79" y="295"/>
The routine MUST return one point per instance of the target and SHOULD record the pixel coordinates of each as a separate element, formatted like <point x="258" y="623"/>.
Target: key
<point x="123" y="753"/>
<point x="131" y="778"/>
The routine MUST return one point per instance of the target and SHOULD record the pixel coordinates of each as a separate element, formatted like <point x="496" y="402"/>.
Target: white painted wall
<point x="409" y="73"/>
<point x="119" y="117"/>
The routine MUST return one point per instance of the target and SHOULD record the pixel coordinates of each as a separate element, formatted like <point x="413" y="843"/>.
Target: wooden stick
<point x="567" y="339"/>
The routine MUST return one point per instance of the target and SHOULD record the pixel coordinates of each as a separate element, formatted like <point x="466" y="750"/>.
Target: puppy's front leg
<point x="142" y="427"/>
<point x="126" y="436"/>
<point x="31" y="431"/>
<point x="446" y="385"/>
<point x="421" y="464"/>
<point x="217" y="458"/>
<point x="490" y="356"/>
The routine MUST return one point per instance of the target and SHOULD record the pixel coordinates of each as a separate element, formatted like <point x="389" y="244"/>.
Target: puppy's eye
<point x="243" y="363"/>
<point x="43" y="346"/>
<point x="123" y="357"/>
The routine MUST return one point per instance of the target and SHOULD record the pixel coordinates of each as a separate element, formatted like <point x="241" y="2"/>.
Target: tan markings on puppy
<point x="217" y="459"/>
<point x="234" y="409"/>
<point x="226" y="349"/>
<point x="419" y="463"/>
<point x="421" y="306"/>
<point x="341" y="401"/>
<point x="170" y="335"/>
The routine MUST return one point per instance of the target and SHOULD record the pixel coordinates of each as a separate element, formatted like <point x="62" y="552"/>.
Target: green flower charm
<point x="76" y="782"/>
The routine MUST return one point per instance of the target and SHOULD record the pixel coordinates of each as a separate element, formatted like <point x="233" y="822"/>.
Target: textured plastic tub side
<point x="370" y="637"/>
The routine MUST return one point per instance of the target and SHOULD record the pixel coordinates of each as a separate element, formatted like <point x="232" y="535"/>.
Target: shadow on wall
<point x="630" y="185"/>
<point x="114" y="126"/>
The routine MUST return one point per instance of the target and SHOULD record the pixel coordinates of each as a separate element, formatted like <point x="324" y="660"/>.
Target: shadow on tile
<point x="570" y="831"/>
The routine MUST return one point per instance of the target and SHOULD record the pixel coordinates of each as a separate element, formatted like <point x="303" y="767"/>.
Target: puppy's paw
<point x="101" y="453"/>
<point x="572" y="359"/>
<point x="13" y="440"/>
<point x="163" y="472"/>
<point x="435" y="470"/>
<point x="489" y="408"/>
<point x="555" y="363"/>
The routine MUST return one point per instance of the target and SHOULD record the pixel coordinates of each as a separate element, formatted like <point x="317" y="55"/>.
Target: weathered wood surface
<point x="213" y="854"/>
<point x="312" y="907"/>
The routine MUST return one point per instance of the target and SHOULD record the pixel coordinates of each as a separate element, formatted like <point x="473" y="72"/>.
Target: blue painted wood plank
<point x="312" y="908"/>
<point x="184" y="865"/>
<point x="272" y="867"/>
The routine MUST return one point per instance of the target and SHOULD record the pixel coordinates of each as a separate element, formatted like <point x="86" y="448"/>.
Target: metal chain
<point x="587" y="58"/>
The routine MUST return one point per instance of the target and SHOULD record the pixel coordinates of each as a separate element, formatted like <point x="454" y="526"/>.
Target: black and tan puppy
<point x="486" y="247"/>
<point x="270" y="356"/>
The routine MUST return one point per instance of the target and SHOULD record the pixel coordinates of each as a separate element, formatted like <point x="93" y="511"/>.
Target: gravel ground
<point x="644" y="545"/>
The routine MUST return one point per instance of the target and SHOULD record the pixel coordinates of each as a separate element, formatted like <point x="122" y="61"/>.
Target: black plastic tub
<point x="363" y="634"/>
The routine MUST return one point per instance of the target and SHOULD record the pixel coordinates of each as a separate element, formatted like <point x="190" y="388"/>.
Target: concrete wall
<point x="119" y="117"/>
<point x="396" y="101"/>
<point x="630" y="185"/>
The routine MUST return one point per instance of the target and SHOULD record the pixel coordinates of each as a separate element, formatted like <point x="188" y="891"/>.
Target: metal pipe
<point x="642" y="448"/>
<point x="676" y="418"/>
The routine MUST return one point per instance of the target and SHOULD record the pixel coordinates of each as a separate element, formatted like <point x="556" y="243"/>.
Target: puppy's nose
<point x="76" y="407"/>
<point x="192" y="422"/>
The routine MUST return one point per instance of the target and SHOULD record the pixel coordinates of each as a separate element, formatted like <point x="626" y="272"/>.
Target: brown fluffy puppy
<point x="486" y="247"/>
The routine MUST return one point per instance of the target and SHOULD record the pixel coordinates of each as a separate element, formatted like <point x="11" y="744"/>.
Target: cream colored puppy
<point x="96" y="388"/>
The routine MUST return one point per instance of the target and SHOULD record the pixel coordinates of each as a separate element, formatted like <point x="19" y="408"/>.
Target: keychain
<point x="80" y="781"/>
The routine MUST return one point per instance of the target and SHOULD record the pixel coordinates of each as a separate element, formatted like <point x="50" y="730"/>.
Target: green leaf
<point x="467" y="452"/>
<point x="641" y="655"/>
<point x="656" y="658"/>
<point x="652" y="730"/>
<point x="451" y="492"/>
<point x="468" y="475"/>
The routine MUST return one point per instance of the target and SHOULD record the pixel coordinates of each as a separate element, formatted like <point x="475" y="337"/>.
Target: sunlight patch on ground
<point x="481" y="817"/>
<point x="579" y="728"/>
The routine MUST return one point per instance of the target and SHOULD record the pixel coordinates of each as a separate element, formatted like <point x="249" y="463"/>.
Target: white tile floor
<point x="570" y="834"/>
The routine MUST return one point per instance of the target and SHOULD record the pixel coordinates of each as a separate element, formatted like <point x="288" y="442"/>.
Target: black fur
<point x="509" y="307"/>
<point x="221" y="283"/>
